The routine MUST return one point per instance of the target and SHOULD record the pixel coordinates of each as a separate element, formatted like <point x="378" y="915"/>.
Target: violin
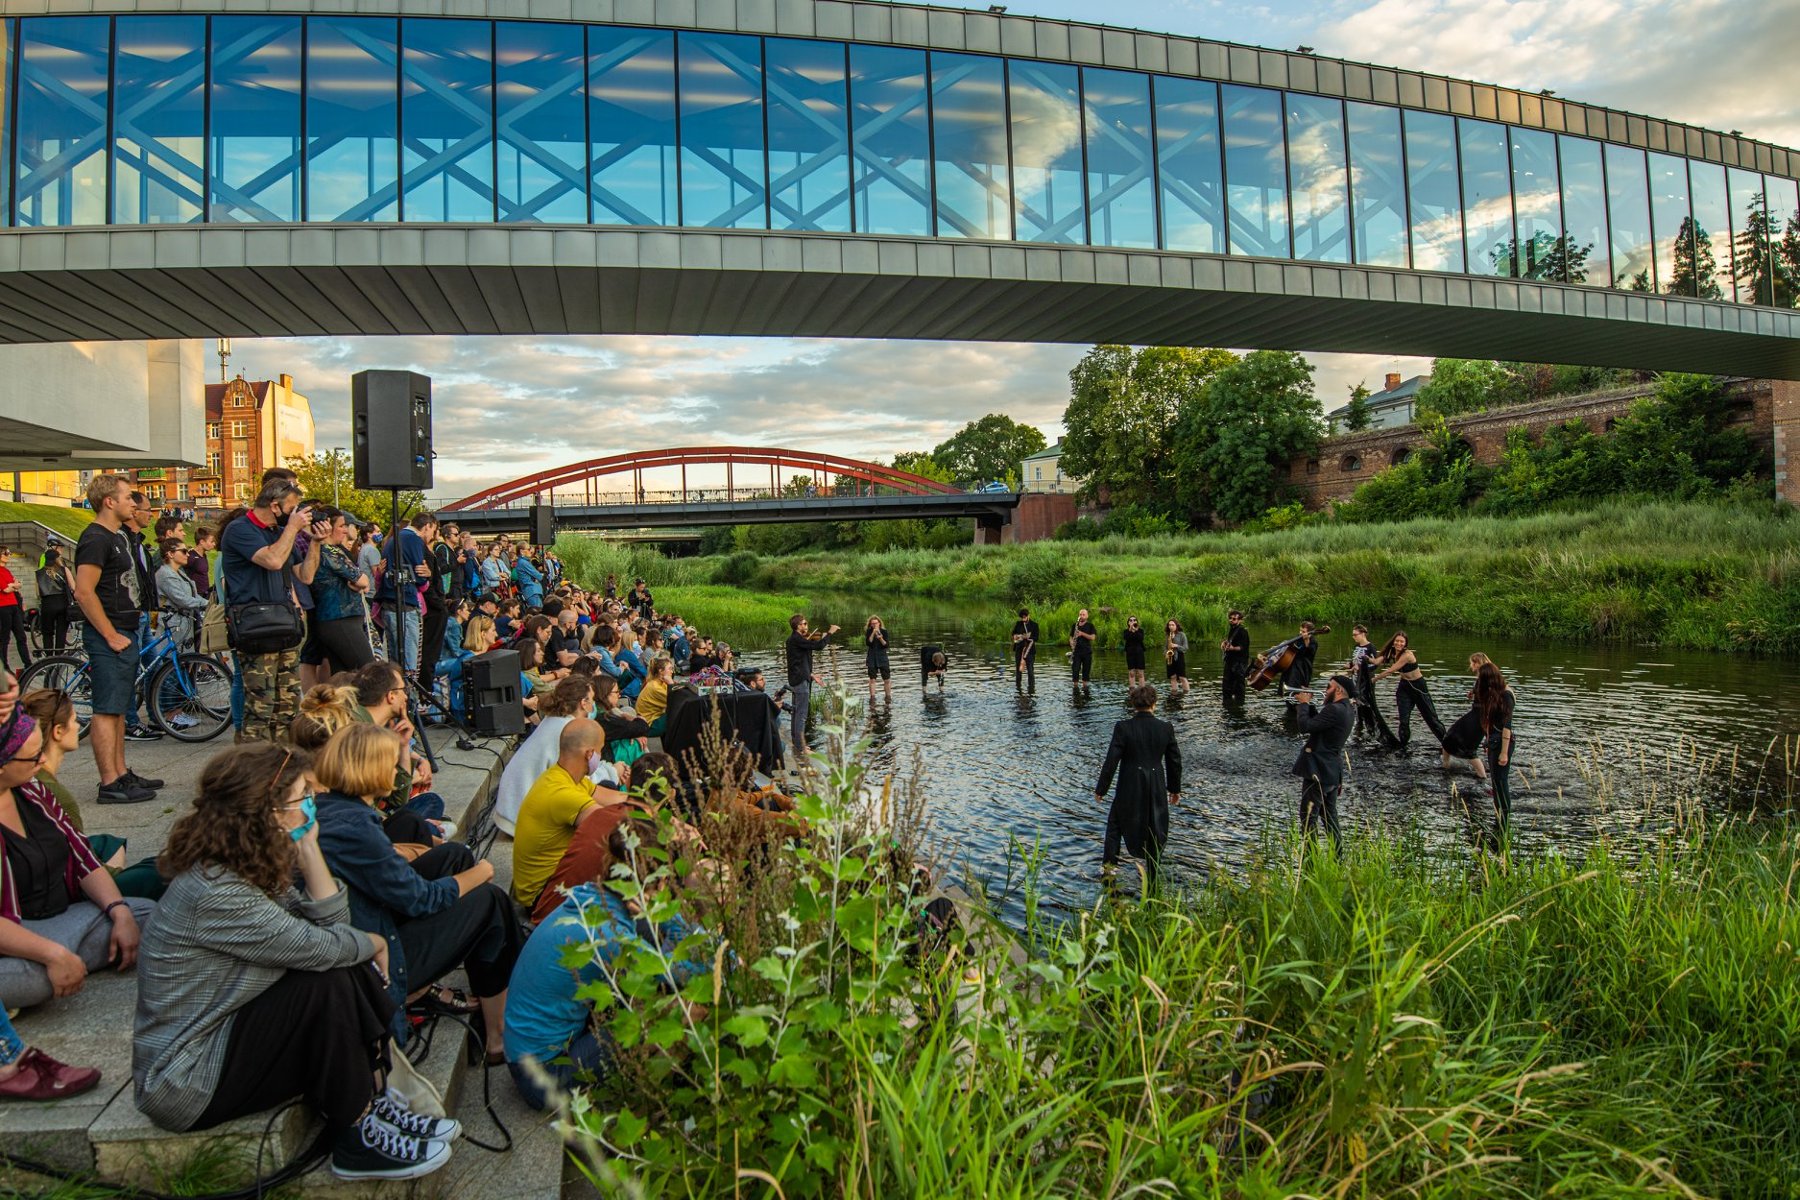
<point x="1270" y="666"/>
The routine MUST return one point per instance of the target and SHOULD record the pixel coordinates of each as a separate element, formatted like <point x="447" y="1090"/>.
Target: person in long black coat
<point x="1321" y="762"/>
<point x="1147" y="760"/>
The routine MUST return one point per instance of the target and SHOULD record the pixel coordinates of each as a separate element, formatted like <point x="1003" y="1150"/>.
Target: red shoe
<point x="41" y="1077"/>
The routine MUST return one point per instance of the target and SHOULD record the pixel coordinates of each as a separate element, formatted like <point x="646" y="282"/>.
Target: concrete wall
<point x="1346" y="461"/>
<point x="78" y="405"/>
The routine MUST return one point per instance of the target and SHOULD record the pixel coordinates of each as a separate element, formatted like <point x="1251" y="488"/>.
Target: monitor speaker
<point x="493" y="698"/>
<point x="543" y="525"/>
<point x="390" y="419"/>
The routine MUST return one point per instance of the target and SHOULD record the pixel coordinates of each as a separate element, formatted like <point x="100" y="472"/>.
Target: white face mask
<point x="594" y="762"/>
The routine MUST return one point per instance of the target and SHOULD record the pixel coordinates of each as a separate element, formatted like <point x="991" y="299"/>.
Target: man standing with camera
<point x="257" y="564"/>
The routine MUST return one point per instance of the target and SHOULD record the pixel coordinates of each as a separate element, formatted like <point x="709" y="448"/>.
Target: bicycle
<point x="188" y="694"/>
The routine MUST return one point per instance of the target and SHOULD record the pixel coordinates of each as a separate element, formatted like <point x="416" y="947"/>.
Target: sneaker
<point x="123" y="791"/>
<point x="446" y="829"/>
<point x="142" y="733"/>
<point x="391" y="1110"/>
<point x="183" y="721"/>
<point x="371" y="1149"/>
<point x="41" y="1077"/>
<point x="139" y="781"/>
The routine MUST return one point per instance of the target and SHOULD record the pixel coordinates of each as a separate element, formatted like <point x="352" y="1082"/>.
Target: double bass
<point x="1273" y="663"/>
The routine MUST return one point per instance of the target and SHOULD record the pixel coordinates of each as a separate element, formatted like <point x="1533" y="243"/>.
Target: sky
<point x="505" y="407"/>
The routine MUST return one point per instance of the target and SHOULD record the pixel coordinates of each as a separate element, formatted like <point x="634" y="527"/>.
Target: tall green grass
<point x="1696" y="575"/>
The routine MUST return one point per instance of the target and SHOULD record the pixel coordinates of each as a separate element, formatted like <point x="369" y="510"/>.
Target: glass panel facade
<point x="1318" y="177"/>
<point x="142" y="118"/>
<point x="447" y="120"/>
<point x="1044" y="101"/>
<point x="1188" y="166"/>
<point x="1784" y="232"/>
<point x="159" y="120"/>
<point x="1377" y="183"/>
<point x="540" y="118"/>
<point x="352" y="119"/>
<point x="724" y="173"/>
<point x="1750" y="260"/>
<point x="1711" y="268"/>
<point x="1537" y="206"/>
<point x="1436" y="193"/>
<point x="1671" y="219"/>
<point x="255" y="145"/>
<point x="809" y="136"/>
<point x="631" y="126"/>
<point x="1487" y="198"/>
<point x="968" y="128"/>
<point x="1633" y="250"/>
<point x="890" y="128"/>
<point x="1584" y="211"/>
<point x="1255" y="172"/>
<point x="1120" y="158"/>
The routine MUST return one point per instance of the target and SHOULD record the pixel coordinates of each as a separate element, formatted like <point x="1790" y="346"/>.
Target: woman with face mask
<point x="568" y="699"/>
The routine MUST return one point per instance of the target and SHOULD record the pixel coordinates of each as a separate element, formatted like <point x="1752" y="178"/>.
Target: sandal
<point x="41" y="1077"/>
<point x="446" y="1001"/>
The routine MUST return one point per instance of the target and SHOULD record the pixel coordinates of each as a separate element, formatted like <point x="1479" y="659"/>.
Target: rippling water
<point x="1001" y="763"/>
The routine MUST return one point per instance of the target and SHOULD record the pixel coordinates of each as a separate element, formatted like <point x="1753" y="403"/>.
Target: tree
<point x="1696" y="271"/>
<point x="1120" y="423"/>
<point x="1753" y="255"/>
<point x="918" y="462"/>
<point x="318" y="473"/>
<point x="1356" y="413"/>
<point x="1253" y="415"/>
<point x="1787" y="266"/>
<point x="1460" y="385"/>
<point x="991" y="448"/>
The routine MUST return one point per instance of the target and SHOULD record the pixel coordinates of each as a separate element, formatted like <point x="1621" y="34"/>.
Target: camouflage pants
<point x="271" y="694"/>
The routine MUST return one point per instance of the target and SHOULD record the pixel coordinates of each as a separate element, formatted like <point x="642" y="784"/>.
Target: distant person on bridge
<point x="802" y="644"/>
<point x="875" y="656"/>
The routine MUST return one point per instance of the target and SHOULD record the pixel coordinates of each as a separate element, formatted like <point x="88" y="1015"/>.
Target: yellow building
<point x="49" y="487"/>
<point x="1043" y="472"/>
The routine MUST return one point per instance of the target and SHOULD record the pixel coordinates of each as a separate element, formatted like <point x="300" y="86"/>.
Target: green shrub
<point x="739" y="568"/>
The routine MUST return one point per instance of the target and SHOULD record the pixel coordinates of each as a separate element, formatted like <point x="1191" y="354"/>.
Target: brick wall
<point x="1038" y="515"/>
<point x="1344" y="462"/>
<point x="1785" y="418"/>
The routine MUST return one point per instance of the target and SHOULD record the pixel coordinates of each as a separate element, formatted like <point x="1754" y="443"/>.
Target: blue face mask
<point x="310" y="811"/>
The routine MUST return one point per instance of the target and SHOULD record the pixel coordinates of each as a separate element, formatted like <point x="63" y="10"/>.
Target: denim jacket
<point x="333" y="599"/>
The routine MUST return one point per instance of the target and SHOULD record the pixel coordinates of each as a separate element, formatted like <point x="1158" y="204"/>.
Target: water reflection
<point x="1004" y="761"/>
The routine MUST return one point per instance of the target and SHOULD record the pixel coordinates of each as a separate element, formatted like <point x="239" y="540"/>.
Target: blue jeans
<point x="429" y="805"/>
<point x="11" y="1047"/>
<point x="585" y="1056"/>
<point x="409" y="636"/>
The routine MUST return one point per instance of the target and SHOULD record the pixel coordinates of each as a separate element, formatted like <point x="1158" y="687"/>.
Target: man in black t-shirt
<point x="110" y="589"/>
<point x="1237" y="658"/>
<point x="1024" y="640"/>
<point x="1081" y="649"/>
<point x="801" y="644"/>
<point x="932" y="662"/>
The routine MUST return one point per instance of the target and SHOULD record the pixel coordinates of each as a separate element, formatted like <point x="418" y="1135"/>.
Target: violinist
<point x="801" y="645"/>
<point x="1081" y="649"/>
<point x="1236" y="646"/>
<point x="1410" y="692"/>
<point x="1306" y="648"/>
<point x="1024" y="642"/>
<point x="1321" y="762"/>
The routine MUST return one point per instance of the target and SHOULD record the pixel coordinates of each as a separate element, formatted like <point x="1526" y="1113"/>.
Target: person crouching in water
<point x="932" y="664"/>
<point x="1321" y="761"/>
<point x="1147" y="759"/>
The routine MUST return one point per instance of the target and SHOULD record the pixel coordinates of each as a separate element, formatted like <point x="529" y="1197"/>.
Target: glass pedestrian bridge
<point x="832" y="120"/>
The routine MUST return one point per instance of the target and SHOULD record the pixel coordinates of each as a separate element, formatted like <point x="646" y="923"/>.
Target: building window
<point x="181" y="491"/>
<point x="212" y="461"/>
<point x="243" y="492"/>
<point x="212" y="429"/>
<point x="1312" y="466"/>
<point x="159" y="119"/>
<point x="1351" y="462"/>
<point x="240" y="460"/>
<point x="256" y="147"/>
<point x="240" y="429"/>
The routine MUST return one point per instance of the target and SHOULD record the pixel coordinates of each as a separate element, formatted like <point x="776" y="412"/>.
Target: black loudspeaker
<point x="543" y="525"/>
<point x="390" y="422"/>
<point x="494" y="702"/>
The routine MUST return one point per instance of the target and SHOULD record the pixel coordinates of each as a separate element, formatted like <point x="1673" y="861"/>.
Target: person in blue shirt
<point x="493" y="571"/>
<point x="549" y="1026"/>
<point x="404" y="605"/>
<point x="530" y="581"/>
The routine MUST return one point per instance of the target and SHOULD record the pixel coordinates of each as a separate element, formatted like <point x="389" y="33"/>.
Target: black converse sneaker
<point x="390" y="1109"/>
<point x="372" y="1149"/>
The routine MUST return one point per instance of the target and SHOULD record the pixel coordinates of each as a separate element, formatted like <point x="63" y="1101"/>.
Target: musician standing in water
<point x="1237" y="658"/>
<point x="1494" y="700"/>
<point x="1321" y="762"/>
<point x="875" y="656"/>
<point x="1306" y="649"/>
<point x="1081" y="649"/>
<point x="1024" y="641"/>
<point x="1175" y="651"/>
<point x="1134" y="652"/>
<point x="1410" y="692"/>
<point x="1463" y="740"/>
<point x="1147" y="760"/>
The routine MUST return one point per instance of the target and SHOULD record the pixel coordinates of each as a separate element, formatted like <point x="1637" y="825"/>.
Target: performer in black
<point x="1147" y="759"/>
<point x="1306" y="649"/>
<point x="1321" y="761"/>
<point x="875" y="656"/>
<point x="1494" y="700"/>
<point x="932" y="661"/>
<point x="1362" y="669"/>
<point x="1237" y="658"/>
<point x="801" y="645"/>
<point x="1175" y="651"/>
<point x="1024" y="642"/>
<point x="1411" y="691"/>
<point x="1464" y="738"/>
<point x="1081" y="648"/>
<point x="1134" y="652"/>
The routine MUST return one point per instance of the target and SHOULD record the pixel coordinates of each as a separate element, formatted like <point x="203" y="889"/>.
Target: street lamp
<point x="335" y="451"/>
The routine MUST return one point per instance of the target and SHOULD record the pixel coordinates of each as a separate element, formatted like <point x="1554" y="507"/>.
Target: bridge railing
<point x="577" y="498"/>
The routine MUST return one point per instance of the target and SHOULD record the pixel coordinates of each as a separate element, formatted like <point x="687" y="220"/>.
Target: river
<point x="1610" y="739"/>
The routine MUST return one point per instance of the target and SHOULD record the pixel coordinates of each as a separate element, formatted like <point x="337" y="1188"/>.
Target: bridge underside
<point x="200" y="282"/>
<point x="987" y="509"/>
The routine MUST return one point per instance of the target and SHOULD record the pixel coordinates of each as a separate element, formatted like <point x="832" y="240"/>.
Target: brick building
<point x="250" y="426"/>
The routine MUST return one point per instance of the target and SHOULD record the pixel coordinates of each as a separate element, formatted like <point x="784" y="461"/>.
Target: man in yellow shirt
<point x="561" y="799"/>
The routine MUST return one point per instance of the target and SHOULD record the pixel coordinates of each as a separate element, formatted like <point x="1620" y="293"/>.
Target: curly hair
<point x="233" y="825"/>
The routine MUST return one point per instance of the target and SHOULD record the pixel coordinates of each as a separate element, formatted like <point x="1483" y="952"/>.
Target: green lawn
<point x="67" y="521"/>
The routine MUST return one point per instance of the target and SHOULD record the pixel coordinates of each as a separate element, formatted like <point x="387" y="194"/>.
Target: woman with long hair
<point x="1410" y="692"/>
<point x="252" y="991"/>
<point x="1463" y="740"/>
<point x="1133" y="638"/>
<point x="1175" y="650"/>
<point x="1494" y="701"/>
<point x="875" y="656"/>
<point x="340" y="598"/>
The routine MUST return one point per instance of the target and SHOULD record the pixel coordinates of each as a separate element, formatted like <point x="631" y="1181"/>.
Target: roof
<point x="1046" y="452"/>
<point x="215" y="395"/>
<point x="1406" y="393"/>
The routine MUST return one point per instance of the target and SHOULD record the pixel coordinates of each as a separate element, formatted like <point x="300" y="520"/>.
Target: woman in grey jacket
<point x="182" y="606"/>
<point x="259" y="992"/>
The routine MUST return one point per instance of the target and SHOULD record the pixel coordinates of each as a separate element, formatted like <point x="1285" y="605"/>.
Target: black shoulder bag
<point x="264" y="628"/>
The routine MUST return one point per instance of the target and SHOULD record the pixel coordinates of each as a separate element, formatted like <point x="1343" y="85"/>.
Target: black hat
<point x="1345" y="682"/>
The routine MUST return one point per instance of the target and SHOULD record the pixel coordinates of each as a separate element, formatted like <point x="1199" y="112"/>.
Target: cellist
<point x="1306" y="648"/>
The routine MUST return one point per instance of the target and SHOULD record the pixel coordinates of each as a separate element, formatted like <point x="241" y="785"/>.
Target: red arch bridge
<point x="762" y="486"/>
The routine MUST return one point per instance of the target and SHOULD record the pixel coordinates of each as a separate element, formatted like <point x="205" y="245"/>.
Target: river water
<point x="1610" y="740"/>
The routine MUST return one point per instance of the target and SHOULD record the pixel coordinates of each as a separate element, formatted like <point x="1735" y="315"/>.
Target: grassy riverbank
<point x="1711" y="576"/>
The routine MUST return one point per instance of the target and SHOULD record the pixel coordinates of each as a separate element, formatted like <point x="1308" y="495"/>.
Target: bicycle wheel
<point x="62" y="672"/>
<point x="190" y="697"/>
